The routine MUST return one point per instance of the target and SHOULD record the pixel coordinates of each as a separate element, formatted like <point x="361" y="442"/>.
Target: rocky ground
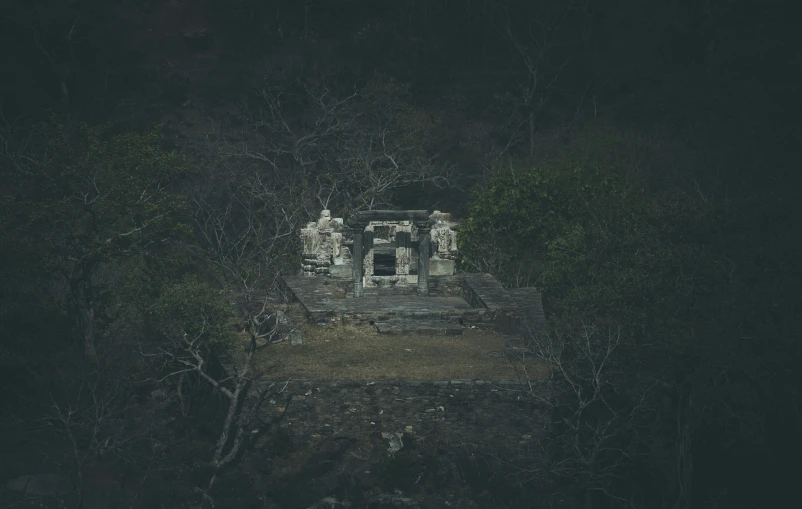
<point x="374" y="470"/>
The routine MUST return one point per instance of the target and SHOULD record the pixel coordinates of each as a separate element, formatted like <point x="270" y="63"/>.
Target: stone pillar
<point x="367" y="255"/>
<point x="403" y="248"/>
<point x="358" y="231"/>
<point x="423" y="257"/>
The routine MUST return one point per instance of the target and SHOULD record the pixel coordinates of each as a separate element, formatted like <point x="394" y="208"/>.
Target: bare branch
<point x="600" y="416"/>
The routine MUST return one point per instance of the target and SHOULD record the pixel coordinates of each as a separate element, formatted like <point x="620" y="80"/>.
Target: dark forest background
<point x="636" y="160"/>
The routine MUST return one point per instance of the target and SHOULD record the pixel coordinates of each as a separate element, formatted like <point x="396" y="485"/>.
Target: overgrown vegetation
<point x="644" y="296"/>
<point x="617" y="159"/>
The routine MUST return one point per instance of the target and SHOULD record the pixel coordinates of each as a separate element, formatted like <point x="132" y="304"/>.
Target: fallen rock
<point x="41" y="485"/>
<point x="330" y="503"/>
<point x="396" y="441"/>
<point x="18" y="484"/>
<point x="388" y="501"/>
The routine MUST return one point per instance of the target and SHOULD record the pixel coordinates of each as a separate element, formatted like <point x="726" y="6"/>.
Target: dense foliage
<point x="616" y="154"/>
<point x="84" y="202"/>
<point x="658" y="272"/>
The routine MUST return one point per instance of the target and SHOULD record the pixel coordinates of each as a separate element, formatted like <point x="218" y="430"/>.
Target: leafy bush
<point x="192" y="308"/>
<point x="512" y="223"/>
<point x="83" y="207"/>
<point x="595" y="241"/>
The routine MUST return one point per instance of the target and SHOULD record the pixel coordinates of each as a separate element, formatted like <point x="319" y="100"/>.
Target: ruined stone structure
<point x="381" y="248"/>
<point x="396" y="270"/>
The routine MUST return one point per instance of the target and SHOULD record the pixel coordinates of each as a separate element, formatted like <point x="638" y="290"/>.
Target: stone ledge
<point x="488" y="292"/>
<point x="442" y="328"/>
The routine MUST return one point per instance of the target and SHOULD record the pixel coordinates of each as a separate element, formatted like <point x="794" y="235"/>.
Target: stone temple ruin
<point x="390" y="243"/>
<point x="397" y="270"/>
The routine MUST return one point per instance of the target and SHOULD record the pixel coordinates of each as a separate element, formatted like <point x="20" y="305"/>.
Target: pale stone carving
<point x="444" y="245"/>
<point x="325" y="251"/>
<point x="322" y="244"/>
<point x="444" y="236"/>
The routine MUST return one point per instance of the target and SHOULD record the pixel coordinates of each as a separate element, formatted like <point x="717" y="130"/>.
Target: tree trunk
<point x="88" y="324"/>
<point x="86" y="316"/>
<point x="307" y="8"/>
<point x="684" y="451"/>
<point x="531" y="132"/>
<point x="233" y="431"/>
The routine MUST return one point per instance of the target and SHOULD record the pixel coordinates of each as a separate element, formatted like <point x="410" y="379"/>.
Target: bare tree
<point x="244" y="226"/>
<point x="539" y="56"/>
<point x="53" y="36"/>
<point x="601" y="416"/>
<point x="189" y="354"/>
<point x="80" y="199"/>
<point x="331" y="142"/>
<point x="91" y="424"/>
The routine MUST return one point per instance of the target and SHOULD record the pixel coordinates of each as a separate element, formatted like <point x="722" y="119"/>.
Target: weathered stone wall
<point x="327" y="251"/>
<point x="445" y="286"/>
<point x="439" y="286"/>
<point x="336" y="289"/>
<point x="472" y="411"/>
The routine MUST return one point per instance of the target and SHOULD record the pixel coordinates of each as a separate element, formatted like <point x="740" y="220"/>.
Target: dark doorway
<point x="384" y="263"/>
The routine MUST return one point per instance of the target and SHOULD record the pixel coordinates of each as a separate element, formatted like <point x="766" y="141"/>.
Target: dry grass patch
<point x="344" y="352"/>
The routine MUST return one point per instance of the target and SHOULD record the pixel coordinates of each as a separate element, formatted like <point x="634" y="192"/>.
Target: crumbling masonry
<point x="397" y="248"/>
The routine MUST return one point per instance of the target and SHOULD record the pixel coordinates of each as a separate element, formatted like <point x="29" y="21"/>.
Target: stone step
<point x="483" y="290"/>
<point x="433" y="327"/>
<point x="392" y="290"/>
<point x="530" y="306"/>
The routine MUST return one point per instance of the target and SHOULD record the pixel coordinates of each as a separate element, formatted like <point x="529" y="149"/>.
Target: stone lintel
<point x="390" y="215"/>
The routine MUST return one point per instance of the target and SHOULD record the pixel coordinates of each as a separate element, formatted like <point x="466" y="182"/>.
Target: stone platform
<point x="324" y="301"/>
<point x="470" y="300"/>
